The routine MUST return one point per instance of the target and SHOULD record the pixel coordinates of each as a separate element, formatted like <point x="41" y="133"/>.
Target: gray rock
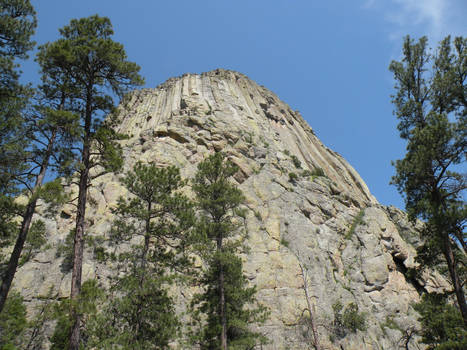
<point x="186" y="118"/>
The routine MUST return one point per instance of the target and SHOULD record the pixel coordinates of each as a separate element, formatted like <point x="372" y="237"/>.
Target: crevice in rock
<point x="405" y="271"/>
<point x="173" y="135"/>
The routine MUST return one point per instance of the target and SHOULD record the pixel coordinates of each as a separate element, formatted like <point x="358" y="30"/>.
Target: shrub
<point x="296" y="161"/>
<point x="318" y="172"/>
<point x="284" y="242"/>
<point x="348" y="319"/>
<point x="293" y="177"/>
<point x="354" y="320"/>
<point x="65" y="250"/>
<point x="357" y="221"/>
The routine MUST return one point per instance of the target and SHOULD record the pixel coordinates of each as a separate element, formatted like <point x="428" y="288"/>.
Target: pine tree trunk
<point x="222" y="315"/>
<point x="27" y="219"/>
<point x="449" y="255"/>
<point x="78" y="247"/>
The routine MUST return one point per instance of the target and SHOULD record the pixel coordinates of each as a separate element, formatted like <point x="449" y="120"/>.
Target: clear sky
<point x="326" y="58"/>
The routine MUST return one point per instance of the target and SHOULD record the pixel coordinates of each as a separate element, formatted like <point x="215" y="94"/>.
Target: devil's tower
<point x="306" y="206"/>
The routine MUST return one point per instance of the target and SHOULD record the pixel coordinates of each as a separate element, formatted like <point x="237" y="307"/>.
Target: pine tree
<point x="431" y="105"/>
<point x="12" y="322"/>
<point x="141" y="313"/>
<point x="441" y="323"/>
<point x="93" y="62"/>
<point x="17" y="24"/>
<point x="228" y="303"/>
<point x="50" y="129"/>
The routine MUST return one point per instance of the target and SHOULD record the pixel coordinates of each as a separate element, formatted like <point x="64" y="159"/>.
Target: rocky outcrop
<point x="306" y="205"/>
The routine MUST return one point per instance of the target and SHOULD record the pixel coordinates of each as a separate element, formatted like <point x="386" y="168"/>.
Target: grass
<point x="357" y="221"/>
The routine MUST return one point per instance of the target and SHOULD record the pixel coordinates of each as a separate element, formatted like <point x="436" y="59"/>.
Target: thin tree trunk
<point x="449" y="255"/>
<point x="222" y="315"/>
<point x="27" y="219"/>
<point x="310" y="309"/>
<point x="78" y="248"/>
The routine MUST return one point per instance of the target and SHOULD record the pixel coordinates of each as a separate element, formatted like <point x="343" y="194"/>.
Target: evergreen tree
<point x="431" y="105"/>
<point x="12" y="322"/>
<point x="17" y="24"/>
<point x="141" y="313"/>
<point x="227" y="302"/>
<point x="92" y="62"/>
<point x="442" y="325"/>
<point x="50" y="130"/>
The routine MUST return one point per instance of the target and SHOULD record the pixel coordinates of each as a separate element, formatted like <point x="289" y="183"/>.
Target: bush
<point x="65" y="250"/>
<point x="348" y="320"/>
<point x="296" y="162"/>
<point x="293" y="177"/>
<point x="354" y="320"/>
<point x="318" y="172"/>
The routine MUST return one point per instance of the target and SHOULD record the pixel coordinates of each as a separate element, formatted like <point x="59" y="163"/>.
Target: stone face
<point x="290" y="222"/>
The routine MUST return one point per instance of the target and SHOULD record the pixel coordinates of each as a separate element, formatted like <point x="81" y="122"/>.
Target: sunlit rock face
<point x="310" y="218"/>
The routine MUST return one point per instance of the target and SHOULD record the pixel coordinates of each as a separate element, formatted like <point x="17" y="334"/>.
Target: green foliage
<point x="34" y="242"/>
<point x="86" y="305"/>
<point x="431" y="109"/>
<point x="293" y="177"/>
<point x="358" y="220"/>
<point x="81" y="67"/>
<point x="257" y="214"/>
<point x="348" y="319"/>
<point x="12" y="321"/>
<point x="218" y="200"/>
<point x="8" y="219"/>
<point x="318" y="172"/>
<point x="65" y="250"/>
<point x="158" y="212"/>
<point x="140" y="313"/>
<point x="17" y="24"/>
<point x="285" y="242"/>
<point x="296" y="162"/>
<point x="442" y="324"/>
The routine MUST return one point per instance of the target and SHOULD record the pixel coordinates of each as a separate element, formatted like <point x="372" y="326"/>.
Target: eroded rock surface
<point x="308" y="220"/>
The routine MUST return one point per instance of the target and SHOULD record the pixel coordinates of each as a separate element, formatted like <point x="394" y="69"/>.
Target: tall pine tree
<point x="17" y="24"/>
<point x="141" y="313"/>
<point x="228" y="302"/>
<point x="50" y="128"/>
<point x="93" y="63"/>
<point x="431" y="105"/>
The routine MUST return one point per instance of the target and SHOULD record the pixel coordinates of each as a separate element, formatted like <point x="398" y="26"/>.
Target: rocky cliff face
<point x="353" y="249"/>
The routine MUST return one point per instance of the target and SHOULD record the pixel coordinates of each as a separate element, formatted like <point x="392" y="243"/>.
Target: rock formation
<point x="306" y="205"/>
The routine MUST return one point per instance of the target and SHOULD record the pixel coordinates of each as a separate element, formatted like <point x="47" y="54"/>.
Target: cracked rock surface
<point x="354" y="249"/>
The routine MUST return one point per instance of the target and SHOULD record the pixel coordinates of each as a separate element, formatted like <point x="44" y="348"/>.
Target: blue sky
<point x="328" y="59"/>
